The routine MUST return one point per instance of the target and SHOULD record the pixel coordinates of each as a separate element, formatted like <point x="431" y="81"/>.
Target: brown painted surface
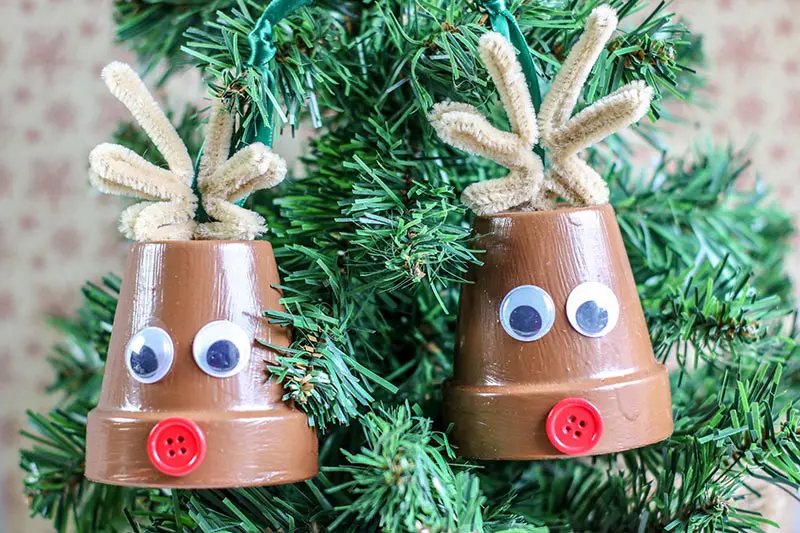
<point x="253" y="437"/>
<point x="503" y="389"/>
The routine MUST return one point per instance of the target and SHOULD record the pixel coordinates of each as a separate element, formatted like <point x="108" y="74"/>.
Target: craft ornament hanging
<point x="553" y="354"/>
<point x="185" y="401"/>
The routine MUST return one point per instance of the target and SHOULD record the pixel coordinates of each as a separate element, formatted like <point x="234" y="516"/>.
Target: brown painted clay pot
<point x="186" y="401"/>
<point x="589" y="384"/>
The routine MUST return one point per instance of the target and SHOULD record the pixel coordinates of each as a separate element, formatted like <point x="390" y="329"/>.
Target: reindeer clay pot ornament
<point x="185" y="400"/>
<point x="553" y="355"/>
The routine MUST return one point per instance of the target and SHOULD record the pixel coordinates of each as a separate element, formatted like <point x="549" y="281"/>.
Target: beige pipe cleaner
<point x="569" y="177"/>
<point x="463" y="126"/>
<point x="223" y="181"/>
<point x="170" y="203"/>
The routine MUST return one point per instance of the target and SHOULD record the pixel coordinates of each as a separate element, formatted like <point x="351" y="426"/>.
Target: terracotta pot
<point x="225" y="426"/>
<point x="587" y="386"/>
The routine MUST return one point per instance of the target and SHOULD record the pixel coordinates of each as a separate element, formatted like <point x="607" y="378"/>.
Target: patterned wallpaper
<point x="55" y="233"/>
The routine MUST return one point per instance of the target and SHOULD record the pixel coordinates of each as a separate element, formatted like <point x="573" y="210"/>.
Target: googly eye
<point x="221" y="349"/>
<point x="527" y="313"/>
<point x="149" y="355"/>
<point x="592" y="309"/>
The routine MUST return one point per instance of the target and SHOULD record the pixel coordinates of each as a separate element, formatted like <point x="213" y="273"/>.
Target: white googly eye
<point x="592" y="309"/>
<point x="221" y="349"/>
<point x="527" y="313"/>
<point x="149" y="355"/>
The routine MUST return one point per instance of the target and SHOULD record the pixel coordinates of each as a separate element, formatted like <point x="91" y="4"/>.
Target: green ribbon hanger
<point x="262" y="51"/>
<point x="504" y="23"/>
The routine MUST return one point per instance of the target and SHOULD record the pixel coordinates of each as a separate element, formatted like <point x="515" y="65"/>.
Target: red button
<point x="176" y="446"/>
<point x="574" y="426"/>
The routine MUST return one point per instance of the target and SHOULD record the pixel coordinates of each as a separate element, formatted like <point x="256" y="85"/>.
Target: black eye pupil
<point x="591" y="317"/>
<point x="144" y="363"/>
<point x="525" y="321"/>
<point x="222" y="356"/>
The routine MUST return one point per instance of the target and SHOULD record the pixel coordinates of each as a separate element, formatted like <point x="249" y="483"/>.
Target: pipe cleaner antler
<point x="170" y="203"/>
<point x="463" y="126"/>
<point x="168" y="214"/>
<point x="569" y="177"/>
<point x="223" y="181"/>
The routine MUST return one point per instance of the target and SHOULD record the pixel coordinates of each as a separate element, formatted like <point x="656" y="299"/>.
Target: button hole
<point x="577" y="435"/>
<point x="567" y="429"/>
<point x="171" y="453"/>
<point x="183" y="451"/>
<point x="582" y="423"/>
<point x="169" y="442"/>
<point x="180" y="439"/>
<point x="571" y="419"/>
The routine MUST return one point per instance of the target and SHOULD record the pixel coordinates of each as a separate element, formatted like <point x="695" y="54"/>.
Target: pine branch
<point x="405" y="231"/>
<point x="154" y="28"/>
<point x="54" y="484"/>
<point x="307" y="42"/>
<point x="401" y="479"/>
<point x="323" y="61"/>
<point x="692" y="210"/>
<point x="718" y="319"/>
<point x="326" y="382"/>
<point x="252" y="510"/>
<point x="78" y="361"/>
<point x="696" y="480"/>
<point x="658" y="49"/>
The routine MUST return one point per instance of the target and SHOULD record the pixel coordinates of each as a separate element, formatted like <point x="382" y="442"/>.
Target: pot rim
<point x="558" y="211"/>
<point x="201" y="243"/>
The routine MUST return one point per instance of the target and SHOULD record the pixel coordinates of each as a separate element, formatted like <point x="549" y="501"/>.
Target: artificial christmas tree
<point x="373" y="247"/>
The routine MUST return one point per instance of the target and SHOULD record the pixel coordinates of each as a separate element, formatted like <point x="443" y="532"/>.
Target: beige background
<point x="55" y="234"/>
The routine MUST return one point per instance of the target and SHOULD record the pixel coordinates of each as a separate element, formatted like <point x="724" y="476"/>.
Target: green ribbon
<point x="504" y="23"/>
<point x="262" y="51"/>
